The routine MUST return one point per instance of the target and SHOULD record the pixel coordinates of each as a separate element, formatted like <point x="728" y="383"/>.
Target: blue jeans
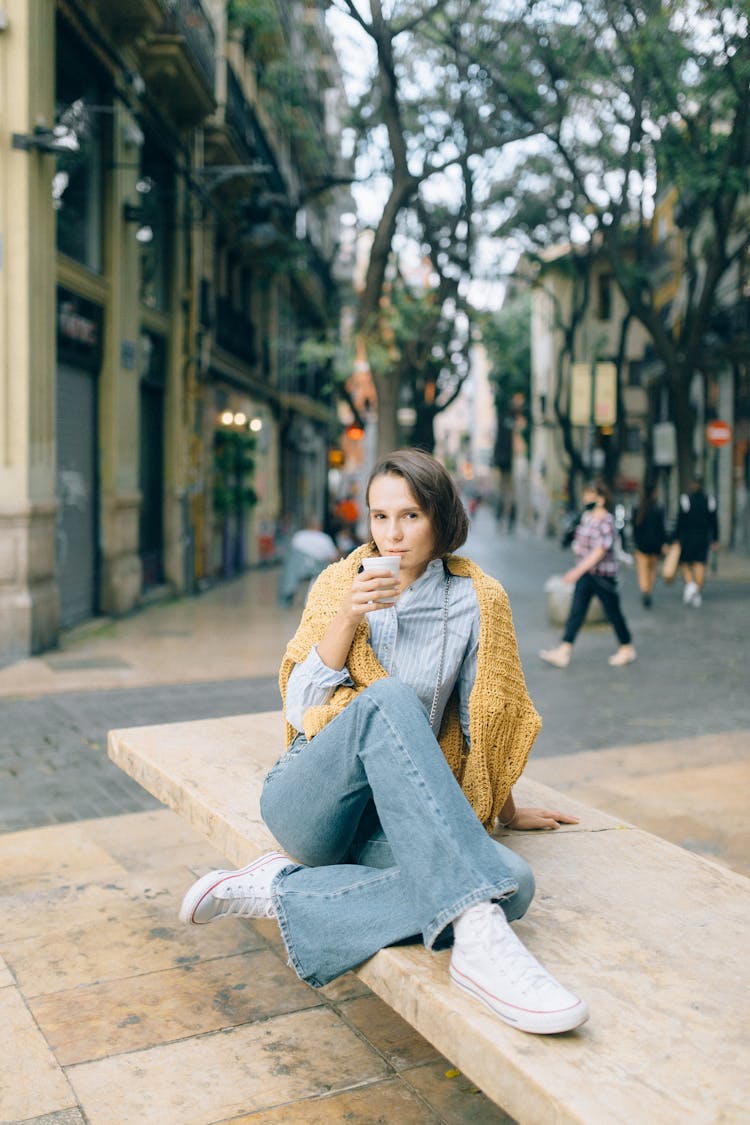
<point x="605" y="589"/>
<point x="390" y="845"/>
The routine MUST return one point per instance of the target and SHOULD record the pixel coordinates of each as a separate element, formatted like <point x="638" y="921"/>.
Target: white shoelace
<point x="490" y="929"/>
<point x="244" y="901"/>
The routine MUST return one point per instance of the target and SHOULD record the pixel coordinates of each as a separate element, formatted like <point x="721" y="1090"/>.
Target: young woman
<point x="649" y="535"/>
<point x="408" y="723"/>
<point x="595" y="574"/>
<point x="698" y="533"/>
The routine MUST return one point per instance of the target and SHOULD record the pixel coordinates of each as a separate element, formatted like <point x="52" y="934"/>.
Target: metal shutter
<point x="77" y="494"/>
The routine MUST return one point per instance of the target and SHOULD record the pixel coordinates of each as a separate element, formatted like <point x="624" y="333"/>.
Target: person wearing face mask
<point x="408" y="723"/>
<point x="570" y="530"/>
<point x="594" y="575"/>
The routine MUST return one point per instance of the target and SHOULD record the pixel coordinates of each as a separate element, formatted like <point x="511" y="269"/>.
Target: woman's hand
<point x="369" y="590"/>
<point x="531" y="820"/>
<point x="372" y="590"/>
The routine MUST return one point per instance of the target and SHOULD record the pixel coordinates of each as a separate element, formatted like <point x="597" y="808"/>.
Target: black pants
<point x="605" y="590"/>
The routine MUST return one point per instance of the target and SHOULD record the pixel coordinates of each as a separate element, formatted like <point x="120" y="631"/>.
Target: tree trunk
<point x="423" y="431"/>
<point x="389" y="437"/>
<point x="684" y="417"/>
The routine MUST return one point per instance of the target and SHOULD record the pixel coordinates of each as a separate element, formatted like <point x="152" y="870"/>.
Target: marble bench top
<point x="654" y="937"/>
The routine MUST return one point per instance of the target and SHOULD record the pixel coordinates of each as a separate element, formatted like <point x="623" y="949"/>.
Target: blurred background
<point x="247" y="245"/>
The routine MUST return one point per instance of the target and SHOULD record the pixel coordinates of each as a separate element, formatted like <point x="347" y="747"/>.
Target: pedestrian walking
<point x="649" y="537"/>
<point x="697" y="531"/>
<point x="310" y="550"/>
<point x="595" y="575"/>
<point x="408" y="723"/>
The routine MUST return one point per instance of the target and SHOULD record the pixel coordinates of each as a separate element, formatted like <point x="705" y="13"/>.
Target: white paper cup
<point x="383" y="562"/>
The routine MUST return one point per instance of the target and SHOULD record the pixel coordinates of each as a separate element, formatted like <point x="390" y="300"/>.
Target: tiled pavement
<point x="115" y="1014"/>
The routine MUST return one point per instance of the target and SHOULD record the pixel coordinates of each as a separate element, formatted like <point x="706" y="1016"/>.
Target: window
<point x="604" y="289"/>
<point x="77" y="186"/>
<point x="635" y="373"/>
<point x="633" y="439"/>
<point x="156" y="201"/>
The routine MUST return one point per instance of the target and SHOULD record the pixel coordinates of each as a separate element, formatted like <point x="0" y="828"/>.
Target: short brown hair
<point x="432" y="487"/>
<point x="601" y="488"/>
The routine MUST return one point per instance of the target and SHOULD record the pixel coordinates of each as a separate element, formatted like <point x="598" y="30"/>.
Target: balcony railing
<point x="241" y="119"/>
<point x="188" y="19"/>
<point x="239" y="115"/>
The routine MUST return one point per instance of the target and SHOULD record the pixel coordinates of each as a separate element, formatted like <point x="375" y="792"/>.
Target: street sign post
<point x="718" y="433"/>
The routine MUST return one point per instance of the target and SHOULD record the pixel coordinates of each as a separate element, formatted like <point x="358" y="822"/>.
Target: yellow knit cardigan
<point x="503" y="721"/>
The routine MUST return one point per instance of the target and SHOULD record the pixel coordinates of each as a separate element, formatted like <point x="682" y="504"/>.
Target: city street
<point x="245" y="248"/>
<point x="218" y="654"/>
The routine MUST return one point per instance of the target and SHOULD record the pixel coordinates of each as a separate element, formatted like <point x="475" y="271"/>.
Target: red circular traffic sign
<point x="718" y="433"/>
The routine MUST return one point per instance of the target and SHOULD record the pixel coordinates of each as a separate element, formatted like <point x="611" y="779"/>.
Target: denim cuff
<point x="492" y="892"/>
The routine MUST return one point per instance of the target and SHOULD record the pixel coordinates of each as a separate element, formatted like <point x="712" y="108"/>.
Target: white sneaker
<point x="559" y="657"/>
<point x="245" y="893"/>
<point x="691" y="589"/>
<point x="625" y="654"/>
<point x="490" y="963"/>
<point x="697" y="600"/>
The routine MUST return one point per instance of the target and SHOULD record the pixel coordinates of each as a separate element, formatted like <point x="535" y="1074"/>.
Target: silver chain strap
<point x="444" y="638"/>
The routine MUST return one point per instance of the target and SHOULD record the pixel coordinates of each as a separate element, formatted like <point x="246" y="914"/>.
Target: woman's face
<point x="399" y="526"/>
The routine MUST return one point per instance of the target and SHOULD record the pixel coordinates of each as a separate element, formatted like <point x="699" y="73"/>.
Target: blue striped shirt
<point x="407" y="639"/>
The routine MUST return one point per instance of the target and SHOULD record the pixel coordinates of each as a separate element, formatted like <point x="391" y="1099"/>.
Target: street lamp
<point x="58" y="139"/>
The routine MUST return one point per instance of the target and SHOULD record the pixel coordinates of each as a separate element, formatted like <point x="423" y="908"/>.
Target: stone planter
<point x="559" y="595"/>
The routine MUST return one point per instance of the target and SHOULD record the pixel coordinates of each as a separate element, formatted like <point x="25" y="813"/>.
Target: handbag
<point x="671" y="561"/>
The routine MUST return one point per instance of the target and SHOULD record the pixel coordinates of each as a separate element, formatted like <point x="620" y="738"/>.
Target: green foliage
<point x="327" y="354"/>
<point x="288" y="99"/>
<point x="645" y="97"/>
<point x="506" y="336"/>
<point x="234" y="466"/>
<point x="641" y="100"/>
<point x="259" y="20"/>
<point x="433" y="121"/>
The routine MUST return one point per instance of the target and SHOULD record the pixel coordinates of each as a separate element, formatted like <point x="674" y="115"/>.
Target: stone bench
<point x="654" y="937"/>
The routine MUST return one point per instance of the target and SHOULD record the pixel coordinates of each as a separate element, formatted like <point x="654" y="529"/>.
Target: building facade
<point x="168" y="247"/>
<point x="588" y="371"/>
<point x="581" y="329"/>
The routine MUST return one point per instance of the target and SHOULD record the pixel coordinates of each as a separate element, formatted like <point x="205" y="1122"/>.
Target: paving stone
<point x="136" y="1012"/>
<point x="219" y="1076"/>
<point x="377" y="1103"/>
<point x="31" y="1082"/>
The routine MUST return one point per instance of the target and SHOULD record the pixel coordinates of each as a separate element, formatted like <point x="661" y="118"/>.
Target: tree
<point x="429" y="113"/>
<point x="506" y="336"/>
<point x="643" y="98"/>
